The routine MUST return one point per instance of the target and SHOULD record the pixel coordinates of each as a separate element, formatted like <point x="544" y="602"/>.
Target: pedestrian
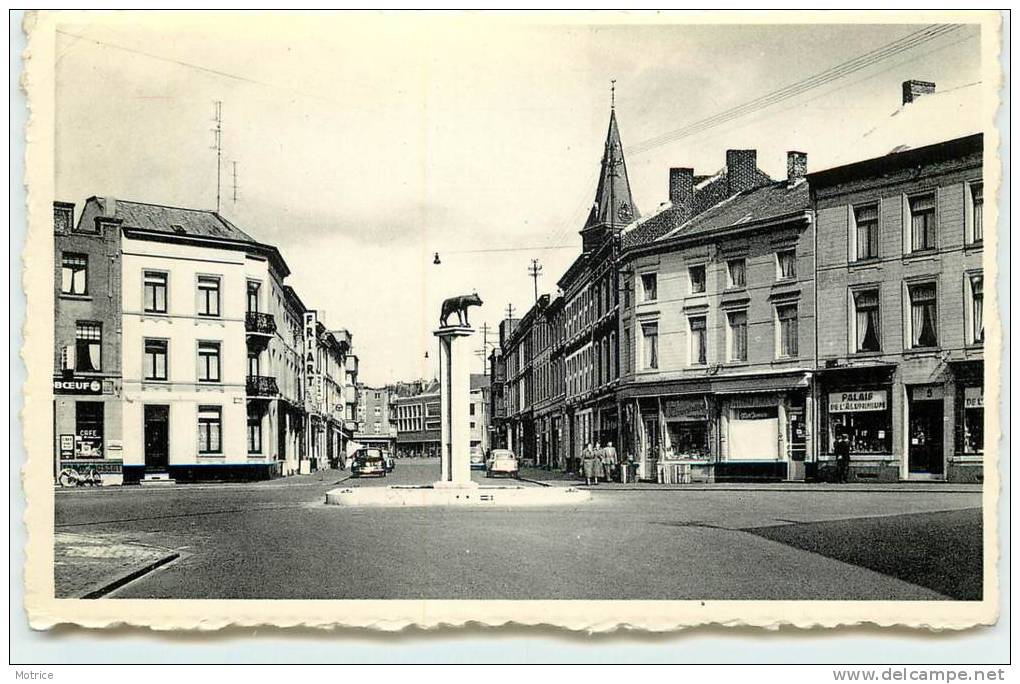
<point x="842" y="449"/>
<point x="588" y="463"/>
<point x="599" y="466"/>
<point x="610" y="461"/>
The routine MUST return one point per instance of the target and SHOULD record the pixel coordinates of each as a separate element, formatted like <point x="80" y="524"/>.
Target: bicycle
<point x="69" y="477"/>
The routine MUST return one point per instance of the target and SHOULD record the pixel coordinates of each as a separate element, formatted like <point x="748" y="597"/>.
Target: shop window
<point x="649" y="287"/>
<point x="88" y="346"/>
<point x="786" y="316"/>
<point x="699" y="340"/>
<point x="868" y="431"/>
<point x="864" y="233"/>
<point x="208" y="361"/>
<point x="786" y="264"/>
<point x="922" y="222"/>
<point x="697" y="277"/>
<point x="650" y="344"/>
<point x="977" y="212"/>
<point x="923" y="316"/>
<point x="972" y="437"/>
<point x="154" y="290"/>
<point x="866" y="324"/>
<point x="736" y="272"/>
<point x="737" y="335"/>
<point x="688" y="439"/>
<point x="976" y="311"/>
<point x="210" y="430"/>
<point x="208" y="296"/>
<point x="155" y="359"/>
<point x="88" y="429"/>
<point x="74" y="274"/>
<point x="254" y="434"/>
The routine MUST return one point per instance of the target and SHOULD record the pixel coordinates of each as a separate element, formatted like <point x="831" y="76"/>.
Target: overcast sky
<point x="365" y="144"/>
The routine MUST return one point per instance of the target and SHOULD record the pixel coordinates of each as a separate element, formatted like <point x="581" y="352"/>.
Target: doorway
<point x="651" y="424"/>
<point x="926" y="435"/>
<point x="157" y="437"/>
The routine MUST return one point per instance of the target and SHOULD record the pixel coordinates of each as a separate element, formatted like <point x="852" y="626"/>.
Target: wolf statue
<point x="460" y="306"/>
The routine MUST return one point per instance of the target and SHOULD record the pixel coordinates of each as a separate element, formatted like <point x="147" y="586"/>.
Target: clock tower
<point x="613" y="207"/>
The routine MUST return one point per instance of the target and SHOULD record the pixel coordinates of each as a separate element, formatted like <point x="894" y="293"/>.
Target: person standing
<point x="600" y="470"/>
<point x="610" y="461"/>
<point x="842" y="450"/>
<point x="588" y="463"/>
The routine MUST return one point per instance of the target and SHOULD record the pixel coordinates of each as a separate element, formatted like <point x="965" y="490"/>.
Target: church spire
<point x="614" y="206"/>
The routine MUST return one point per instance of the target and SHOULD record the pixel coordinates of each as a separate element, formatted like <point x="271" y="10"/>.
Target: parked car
<point x="477" y="458"/>
<point x="502" y="462"/>
<point x="389" y="461"/>
<point x="368" y="462"/>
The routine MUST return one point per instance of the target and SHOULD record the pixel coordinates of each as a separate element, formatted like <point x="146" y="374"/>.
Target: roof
<point x="479" y="381"/>
<point x="776" y="200"/>
<point x="174" y="220"/>
<point x="613" y="201"/>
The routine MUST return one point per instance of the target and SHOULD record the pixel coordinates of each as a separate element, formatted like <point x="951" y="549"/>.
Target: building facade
<point x="376" y="417"/>
<point x="417" y="407"/>
<point x="901" y="312"/>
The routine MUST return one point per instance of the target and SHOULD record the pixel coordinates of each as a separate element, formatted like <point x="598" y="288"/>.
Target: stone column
<point x="455" y="399"/>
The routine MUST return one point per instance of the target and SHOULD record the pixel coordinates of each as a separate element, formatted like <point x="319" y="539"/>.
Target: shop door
<point x="89" y="429"/>
<point x="651" y="446"/>
<point x="926" y="425"/>
<point x="157" y="437"/>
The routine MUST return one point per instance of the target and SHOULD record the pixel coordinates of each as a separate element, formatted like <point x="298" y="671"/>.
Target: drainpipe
<point x="816" y="422"/>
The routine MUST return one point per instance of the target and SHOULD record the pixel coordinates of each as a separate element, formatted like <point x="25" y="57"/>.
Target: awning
<point x="760" y="383"/>
<point x="666" y="388"/>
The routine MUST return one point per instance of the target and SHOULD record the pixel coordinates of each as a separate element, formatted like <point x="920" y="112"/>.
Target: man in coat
<point x="610" y="461"/>
<point x="842" y="450"/>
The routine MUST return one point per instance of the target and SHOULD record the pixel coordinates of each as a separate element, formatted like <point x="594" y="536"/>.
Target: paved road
<point x="279" y="540"/>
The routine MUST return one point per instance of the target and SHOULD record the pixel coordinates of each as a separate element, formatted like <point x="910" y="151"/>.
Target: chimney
<point x="914" y="89"/>
<point x="63" y="217"/>
<point x="741" y="170"/>
<point x="110" y="207"/>
<point x="681" y="190"/>
<point x="796" y="167"/>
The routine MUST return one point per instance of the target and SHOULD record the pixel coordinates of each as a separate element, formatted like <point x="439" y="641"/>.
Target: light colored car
<point x="502" y="462"/>
<point x="477" y="458"/>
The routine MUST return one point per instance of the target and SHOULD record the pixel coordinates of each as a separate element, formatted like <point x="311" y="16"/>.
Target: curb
<point x="129" y="577"/>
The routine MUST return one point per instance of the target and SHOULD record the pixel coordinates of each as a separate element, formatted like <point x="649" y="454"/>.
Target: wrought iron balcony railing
<point x="262" y="386"/>
<point x="259" y="323"/>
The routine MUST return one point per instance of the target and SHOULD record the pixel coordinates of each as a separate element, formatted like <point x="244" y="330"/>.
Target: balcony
<point x="261" y="387"/>
<point x="259" y="327"/>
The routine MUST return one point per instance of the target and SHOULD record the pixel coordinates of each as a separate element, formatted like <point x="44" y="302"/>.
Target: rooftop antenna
<point x="235" y="182"/>
<point x="612" y="94"/>
<point x="218" y="131"/>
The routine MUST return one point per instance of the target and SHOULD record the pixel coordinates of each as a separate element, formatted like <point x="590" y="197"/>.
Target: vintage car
<point x="368" y="462"/>
<point x="477" y="458"/>
<point x="502" y="462"/>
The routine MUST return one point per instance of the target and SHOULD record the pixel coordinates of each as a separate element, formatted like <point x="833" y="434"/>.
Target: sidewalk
<point x="93" y="565"/>
<point x="559" y="478"/>
<point x="321" y="477"/>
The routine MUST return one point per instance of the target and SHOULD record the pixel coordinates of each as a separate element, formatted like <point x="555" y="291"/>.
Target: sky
<point x="367" y="143"/>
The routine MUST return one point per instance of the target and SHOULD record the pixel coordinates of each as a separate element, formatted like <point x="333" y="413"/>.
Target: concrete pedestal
<point x="455" y="402"/>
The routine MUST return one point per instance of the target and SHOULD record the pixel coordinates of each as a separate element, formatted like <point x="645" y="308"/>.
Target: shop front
<point x="686" y="454"/>
<point x="857" y="404"/>
<point x="926" y="414"/>
<point x="966" y="464"/>
<point x="87" y="428"/>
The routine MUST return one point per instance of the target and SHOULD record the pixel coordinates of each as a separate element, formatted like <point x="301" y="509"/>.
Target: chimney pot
<point x="914" y="89"/>
<point x="741" y="170"/>
<point x="796" y="167"/>
<point x="681" y="190"/>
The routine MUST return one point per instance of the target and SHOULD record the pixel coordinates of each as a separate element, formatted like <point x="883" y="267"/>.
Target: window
<point x="699" y="340"/>
<point x="867" y="321"/>
<point x="208" y="361"/>
<point x="923" y="316"/>
<point x="155" y="359"/>
<point x="786" y="264"/>
<point x="977" y="306"/>
<point x="787" y="316"/>
<point x="922" y="222"/>
<point x="697" y="276"/>
<point x="471" y="409"/>
<point x="254" y="434"/>
<point x="866" y="231"/>
<point x="210" y="430"/>
<point x="74" y="274"/>
<point x="254" y="287"/>
<point x="626" y="350"/>
<point x="977" y="207"/>
<point x="88" y="346"/>
<point x="736" y="272"/>
<point x="254" y="364"/>
<point x="208" y="296"/>
<point x="88" y="429"/>
<point x="650" y="333"/>
<point x="738" y="335"/>
<point x="155" y="291"/>
<point x="649" y="286"/>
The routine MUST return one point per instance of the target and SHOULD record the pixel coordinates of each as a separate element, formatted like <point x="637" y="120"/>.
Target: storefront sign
<point x="761" y="413"/>
<point x="927" y="393"/>
<point x="852" y="402"/>
<point x="973" y="397"/>
<point x="77" y="385"/>
<point x="102" y="466"/>
<point x="684" y="409"/>
<point x="311" y="377"/>
<point x="66" y="446"/>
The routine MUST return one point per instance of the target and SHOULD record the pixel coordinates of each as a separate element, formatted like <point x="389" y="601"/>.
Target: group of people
<point x="600" y="462"/>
